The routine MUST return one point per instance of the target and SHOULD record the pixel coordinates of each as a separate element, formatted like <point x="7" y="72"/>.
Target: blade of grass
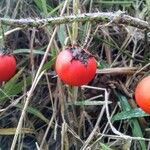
<point x="37" y="52"/>
<point x="42" y="5"/>
<point x="133" y="113"/>
<point x="54" y="10"/>
<point x="11" y="131"/>
<point x="49" y="64"/>
<point x="104" y="147"/>
<point x="34" y="112"/>
<point x="17" y="88"/>
<point x="13" y="80"/>
<point x="134" y="124"/>
<point x="62" y="34"/>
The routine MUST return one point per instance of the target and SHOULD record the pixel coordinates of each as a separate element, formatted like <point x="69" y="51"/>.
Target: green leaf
<point x="62" y="34"/>
<point x="49" y="64"/>
<point x="133" y="122"/>
<point x="14" y="89"/>
<point x="18" y="87"/>
<point x="42" y="5"/>
<point x="54" y="10"/>
<point x="34" y="111"/>
<point x="102" y="64"/>
<point x="9" y="85"/>
<point x="123" y="101"/>
<point x="38" y="4"/>
<point x="28" y="51"/>
<point x="133" y="113"/>
<point x="105" y="147"/>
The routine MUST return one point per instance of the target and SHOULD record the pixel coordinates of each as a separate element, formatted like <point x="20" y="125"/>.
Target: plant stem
<point x="75" y="24"/>
<point x="102" y="17"/>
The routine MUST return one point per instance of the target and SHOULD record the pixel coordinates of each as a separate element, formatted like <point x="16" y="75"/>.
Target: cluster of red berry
<point x="76" y="66"/>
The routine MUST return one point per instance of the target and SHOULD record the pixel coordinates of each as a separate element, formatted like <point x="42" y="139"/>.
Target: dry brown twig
<point x="118" y="70"/>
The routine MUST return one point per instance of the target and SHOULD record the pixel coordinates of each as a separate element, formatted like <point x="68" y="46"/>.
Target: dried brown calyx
<point x="80" y="54"/>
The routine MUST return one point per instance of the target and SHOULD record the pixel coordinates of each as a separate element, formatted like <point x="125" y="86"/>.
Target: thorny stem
<point x="102" y="17"/>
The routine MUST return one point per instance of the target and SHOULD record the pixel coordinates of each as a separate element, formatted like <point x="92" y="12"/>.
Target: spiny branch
<point x="100" y="17"/>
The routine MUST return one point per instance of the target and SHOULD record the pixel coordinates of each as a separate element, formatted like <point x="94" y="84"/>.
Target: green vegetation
<point x="59" y="116"/>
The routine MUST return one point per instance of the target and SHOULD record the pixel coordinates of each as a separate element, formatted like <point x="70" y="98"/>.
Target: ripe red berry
<point x="142" y="94"/>
<point x="75" y="66"/>
<point x="7" y="66"/>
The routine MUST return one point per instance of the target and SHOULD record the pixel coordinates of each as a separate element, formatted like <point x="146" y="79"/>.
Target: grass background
<point x="102" y="115"/>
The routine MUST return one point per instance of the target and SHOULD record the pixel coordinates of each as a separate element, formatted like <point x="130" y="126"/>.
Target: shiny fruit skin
<point x="142" y="94"/>
<point x="72" y="71"/>
<point x="7" y="66"/>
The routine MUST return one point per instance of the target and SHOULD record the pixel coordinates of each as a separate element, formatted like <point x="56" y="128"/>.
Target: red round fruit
<point x="75" y="67"/>
<point x="142" y="94"/>
<point x="7" y="66"/>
